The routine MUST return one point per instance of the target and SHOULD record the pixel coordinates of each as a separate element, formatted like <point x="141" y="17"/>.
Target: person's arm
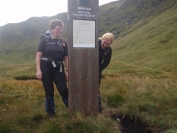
<point x="66" y="66"/>
<point x="38" y="67"/>
<point x="107" y="60"/>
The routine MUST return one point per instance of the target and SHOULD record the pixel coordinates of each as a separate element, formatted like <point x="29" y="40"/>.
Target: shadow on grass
<point x="25" y="78"/>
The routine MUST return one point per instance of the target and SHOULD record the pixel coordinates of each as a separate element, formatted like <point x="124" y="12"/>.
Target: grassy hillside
<point x="145" y="34"/>
<point x="19" y="42"/>
<point x="153" y="45"/>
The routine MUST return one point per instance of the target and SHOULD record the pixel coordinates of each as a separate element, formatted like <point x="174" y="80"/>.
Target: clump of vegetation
<point x="25" y="77"/>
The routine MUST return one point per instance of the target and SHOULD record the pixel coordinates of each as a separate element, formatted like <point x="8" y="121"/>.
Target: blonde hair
<point x="55" y="23"/>
<point x="108" y="36"/>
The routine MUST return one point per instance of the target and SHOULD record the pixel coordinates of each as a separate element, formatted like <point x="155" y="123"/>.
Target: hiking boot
<point x="51" y="114"/>
<point x="100" y="110"/>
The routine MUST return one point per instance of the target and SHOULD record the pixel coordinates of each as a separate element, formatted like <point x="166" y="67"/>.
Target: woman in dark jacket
<point x="105" y="53"/>
<point x="52" y="51"/>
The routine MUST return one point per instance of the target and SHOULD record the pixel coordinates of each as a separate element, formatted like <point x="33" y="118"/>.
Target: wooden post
<point x="83" y="56"/>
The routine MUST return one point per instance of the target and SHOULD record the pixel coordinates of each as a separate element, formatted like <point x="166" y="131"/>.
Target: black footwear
<point x="100" y="110"/>
<point x="51" y="114"/>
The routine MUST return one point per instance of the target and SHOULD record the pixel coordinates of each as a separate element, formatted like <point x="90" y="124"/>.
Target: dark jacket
<point x="104" y="57"/>
<point x="50" y="48"/>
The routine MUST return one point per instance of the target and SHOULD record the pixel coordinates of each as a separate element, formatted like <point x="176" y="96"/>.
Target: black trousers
<point x="99" y="97"/>
<point x="51" y="75"/>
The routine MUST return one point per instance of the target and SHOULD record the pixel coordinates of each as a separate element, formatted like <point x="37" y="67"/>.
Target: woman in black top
<point x="105" y="53"/>
<point x="52" y="51"/>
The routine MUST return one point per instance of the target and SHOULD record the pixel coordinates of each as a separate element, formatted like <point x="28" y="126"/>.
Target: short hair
<point x="55" y="23"/>
<point x="108" y="36"/>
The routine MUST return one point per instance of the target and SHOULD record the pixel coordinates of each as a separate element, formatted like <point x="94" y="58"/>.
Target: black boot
<point x="51" y="114"/>
<point x="65" y="101"/>
<point x="99" y="103"/>
<point x="49" y="105"/>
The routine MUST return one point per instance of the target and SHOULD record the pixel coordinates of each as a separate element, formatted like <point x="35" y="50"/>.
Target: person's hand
<point x="39" y="75"/>
<point x="66" y="73"/>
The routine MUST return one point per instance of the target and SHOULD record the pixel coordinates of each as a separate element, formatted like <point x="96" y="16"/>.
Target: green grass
<point x="145" y="93"/>
<point x="22" y="109"/>
<point x="153" y="99"/>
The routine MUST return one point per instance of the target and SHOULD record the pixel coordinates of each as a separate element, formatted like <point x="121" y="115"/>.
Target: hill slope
<point x="18" y="42"/>
<point x="145" y="34"/>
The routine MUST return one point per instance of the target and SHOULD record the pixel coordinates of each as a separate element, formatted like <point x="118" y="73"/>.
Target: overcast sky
<point x="15" y="11"/>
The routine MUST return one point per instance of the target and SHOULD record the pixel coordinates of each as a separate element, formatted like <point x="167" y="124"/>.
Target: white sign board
<point x="84" y="33"/>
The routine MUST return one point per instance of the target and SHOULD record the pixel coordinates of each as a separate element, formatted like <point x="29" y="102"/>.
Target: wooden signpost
<point x="83" y="56"/>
